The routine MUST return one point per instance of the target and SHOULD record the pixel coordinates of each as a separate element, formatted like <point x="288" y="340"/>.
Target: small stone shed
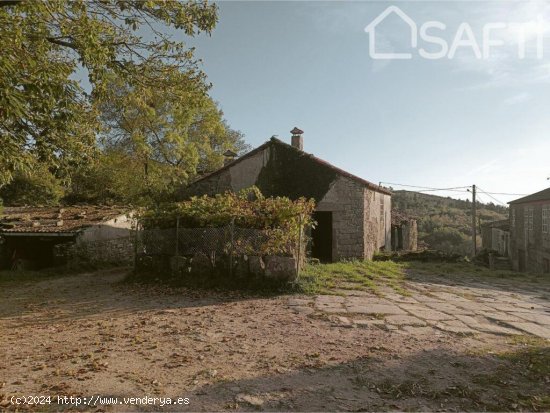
<point x="353" y="214"/>
<point x="404" y="231"/>
<point x="40" y="237"/>
<point x="496" y="236"/>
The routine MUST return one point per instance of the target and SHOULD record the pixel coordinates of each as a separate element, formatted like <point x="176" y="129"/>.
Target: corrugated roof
<point x="543" y="195"/>
<point x="321" y="162"/>
<point x="69" y="219"/>
<point x="503" y="224"/>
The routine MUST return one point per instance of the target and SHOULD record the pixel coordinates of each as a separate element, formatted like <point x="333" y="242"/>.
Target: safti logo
<point x="434" y="34"/>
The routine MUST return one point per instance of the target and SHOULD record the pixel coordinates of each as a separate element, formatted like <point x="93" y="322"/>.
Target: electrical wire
<point x="442" y="189"/>
<point x="453" y="189"/>
<point x="481" y="199"/>
<point x="424" y="187"/>
<point x="489" y="195"/>
<point x="504" y="193"/>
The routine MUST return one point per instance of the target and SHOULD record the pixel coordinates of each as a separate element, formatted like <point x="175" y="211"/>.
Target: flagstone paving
<point x="464" y="310"/>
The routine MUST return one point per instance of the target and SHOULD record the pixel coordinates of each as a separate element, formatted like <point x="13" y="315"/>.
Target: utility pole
<point x="474" y="229"/>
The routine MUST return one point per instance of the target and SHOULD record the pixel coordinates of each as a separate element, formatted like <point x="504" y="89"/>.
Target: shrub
<point x="248" y="209"/>
<point x="280" y="219"/>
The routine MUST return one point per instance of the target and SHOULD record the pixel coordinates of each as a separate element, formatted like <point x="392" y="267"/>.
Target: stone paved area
<point x="429" y="307"/>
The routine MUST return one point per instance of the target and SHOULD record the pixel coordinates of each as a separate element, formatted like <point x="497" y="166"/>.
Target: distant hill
<point x="446" y="223"/>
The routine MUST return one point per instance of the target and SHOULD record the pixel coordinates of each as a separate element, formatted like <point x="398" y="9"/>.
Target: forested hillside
<point x="446" y="223"/>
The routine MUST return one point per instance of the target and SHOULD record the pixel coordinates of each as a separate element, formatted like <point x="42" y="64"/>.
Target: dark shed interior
<point x="30" y="252"/>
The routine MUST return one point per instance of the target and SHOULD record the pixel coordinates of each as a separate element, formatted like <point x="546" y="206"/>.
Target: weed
<point x="352" y="275"/>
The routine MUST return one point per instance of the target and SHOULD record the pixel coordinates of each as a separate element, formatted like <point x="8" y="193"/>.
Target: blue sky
<point x="438" y="123"/>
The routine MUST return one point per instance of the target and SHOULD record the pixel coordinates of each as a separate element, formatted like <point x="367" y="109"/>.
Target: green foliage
<point x="444" y="223"/>
<point x="176" y="129"/>
<point x="47" y="116"/>
<point x="280" y="219"/>
<point x="279" y="175"/>
<point x="448" y="239"/>
<point x="351" y="275"/>
<point x="112" y="179"/>
<point x="35" y="187"/>
<point x="248" y="208"/>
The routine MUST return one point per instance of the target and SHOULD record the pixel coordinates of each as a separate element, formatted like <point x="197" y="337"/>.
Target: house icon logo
<point x="371" y="30"/>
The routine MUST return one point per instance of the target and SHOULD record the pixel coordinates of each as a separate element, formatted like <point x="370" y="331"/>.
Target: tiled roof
<point x="321" y="162"/>
<point x="543" y="195"/>
<point x="69" y="219"/>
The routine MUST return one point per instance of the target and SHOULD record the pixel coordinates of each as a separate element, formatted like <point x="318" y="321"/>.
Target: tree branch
<point x="60" y="42"/>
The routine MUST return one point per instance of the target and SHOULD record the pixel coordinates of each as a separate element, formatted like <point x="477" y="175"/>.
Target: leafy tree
<point x="45" y="115"/>
<point x="111" y="179"/>
<point x="35" y="187"/>
<point x="175" y="131"/>
<point x="445" y="223"/>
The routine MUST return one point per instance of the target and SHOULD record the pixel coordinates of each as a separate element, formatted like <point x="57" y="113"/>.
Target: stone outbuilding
<point x="40" y="237"/>
<point x="496" y="236"/>
<point x="404" y="232"/>
<point x="530" y="232"/>
<point x="353" y="215"/>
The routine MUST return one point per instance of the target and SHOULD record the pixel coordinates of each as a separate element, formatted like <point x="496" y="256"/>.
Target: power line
<point x="442" y="189"/>
<point x="489" y="195"/>
<point x="482" y="199"/>
<point x="504" y="193"/>
<point x="425" y="187"/>
<point x="453" y="189"/>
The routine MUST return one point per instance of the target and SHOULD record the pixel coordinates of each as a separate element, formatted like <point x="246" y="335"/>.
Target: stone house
<point x="530" y="232"/>
<point x="496" y="236"/>
<point x="404" y="232"/>
<point x="40" y="237"/>
<point x="353" y="215"/>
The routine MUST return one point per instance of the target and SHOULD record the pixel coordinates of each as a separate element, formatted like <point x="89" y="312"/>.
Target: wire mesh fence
<point x="215" y="243"/>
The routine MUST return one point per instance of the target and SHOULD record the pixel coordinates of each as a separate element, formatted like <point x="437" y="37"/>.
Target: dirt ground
<point x="91" y="335"/>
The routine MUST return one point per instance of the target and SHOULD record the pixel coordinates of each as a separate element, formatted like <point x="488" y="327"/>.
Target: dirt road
<point x="91" y="335"/>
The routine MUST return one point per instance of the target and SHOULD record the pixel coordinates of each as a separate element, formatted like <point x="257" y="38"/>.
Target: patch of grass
<point x="533" y="362"/>
<point x="464" y="268"/>
<point x="351" y="275"/>
<point x="530" y="341"/>
<point x="530" y="366"/>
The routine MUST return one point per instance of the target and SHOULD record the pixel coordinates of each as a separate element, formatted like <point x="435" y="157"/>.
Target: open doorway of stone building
<point x="321" y="236"/>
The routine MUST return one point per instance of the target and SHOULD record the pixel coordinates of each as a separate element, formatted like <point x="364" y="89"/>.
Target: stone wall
<point x="529" y="245"/>
<point x="345" y="200"/>
<point x="410" y="235"/>
<point x="118" y="251"/>
<point x="119" y="227"/>
<point x="377" y="222"/>
<point x="244" y="267"/>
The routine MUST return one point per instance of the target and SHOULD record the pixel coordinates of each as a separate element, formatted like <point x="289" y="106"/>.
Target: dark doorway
<point x="521" y="259"/>
<point x="321" y="237"/>
<point x="31" y="252"/>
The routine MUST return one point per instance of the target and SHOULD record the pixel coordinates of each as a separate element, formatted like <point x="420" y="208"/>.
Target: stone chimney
<point x="229" y="156"/>
<point x="297" y="138"/>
